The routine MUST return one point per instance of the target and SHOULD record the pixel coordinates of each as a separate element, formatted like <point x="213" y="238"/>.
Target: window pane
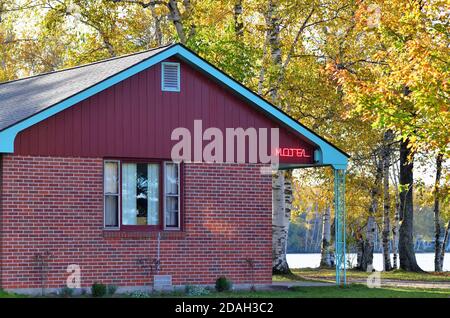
<point x="171" y="178"/>
<point x="111" y="179"/>
<point x="129" y="208"/>
<point x="111" y="212"/>
<point x="171" y="208"/>
<point x="153" y="194"/>
<point x="142" y="193"/>
<point x="172" y="211"/>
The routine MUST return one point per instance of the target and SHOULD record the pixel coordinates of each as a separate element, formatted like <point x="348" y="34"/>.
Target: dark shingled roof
<point x="25" y="97"/>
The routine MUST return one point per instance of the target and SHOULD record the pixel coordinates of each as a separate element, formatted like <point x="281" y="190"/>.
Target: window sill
<point x="143" y="234"/>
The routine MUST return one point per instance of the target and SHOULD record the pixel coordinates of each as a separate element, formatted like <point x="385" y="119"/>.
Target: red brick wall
<point x="56" y="205"/>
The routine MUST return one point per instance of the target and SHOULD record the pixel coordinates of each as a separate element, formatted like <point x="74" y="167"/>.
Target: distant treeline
<point x="305" y="234"/>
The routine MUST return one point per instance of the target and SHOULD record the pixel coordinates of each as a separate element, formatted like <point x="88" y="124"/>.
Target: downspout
<point x="1" y="221"/>
<point x="158" y="261"/>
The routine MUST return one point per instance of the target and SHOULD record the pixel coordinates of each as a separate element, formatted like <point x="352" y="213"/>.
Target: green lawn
<point x="352" y="291"/>
<point x="4" y="294"/>
<point x="329" y="275"/>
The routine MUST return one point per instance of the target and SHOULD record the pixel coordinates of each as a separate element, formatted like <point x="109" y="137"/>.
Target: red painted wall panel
<point x="135" y="118"/>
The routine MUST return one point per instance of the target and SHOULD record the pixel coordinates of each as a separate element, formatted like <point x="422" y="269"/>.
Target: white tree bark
<point x="438" y="242"/>
<point x="395" y="237"/>
<point x="445" y="243"/>
<point x="157" y="23"/>
<point x="280" y="224"/>
<point x="386" y="158"/>
<point x="396" y="225"/>
<point x="369" y="244"/>
<point x="371" y="230"/>
<point x="273" y="36"/>
<point x="325" y="253"/>
<point x="281" y="186"/>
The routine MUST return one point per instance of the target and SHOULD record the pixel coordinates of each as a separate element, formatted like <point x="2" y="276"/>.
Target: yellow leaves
<point x="406" y="84"/>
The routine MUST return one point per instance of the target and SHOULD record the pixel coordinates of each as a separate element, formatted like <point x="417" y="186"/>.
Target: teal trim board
<point x="329" y="154"/>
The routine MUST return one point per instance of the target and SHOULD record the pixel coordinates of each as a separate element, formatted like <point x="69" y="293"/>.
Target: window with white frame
<point x="133" y="191"/>
<point x="172" y="195"/>
<point x="111" y="194"/>
<point x="140" y="194"/>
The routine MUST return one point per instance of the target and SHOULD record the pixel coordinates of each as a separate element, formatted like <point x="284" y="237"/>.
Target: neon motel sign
<point x="291" y="152"/>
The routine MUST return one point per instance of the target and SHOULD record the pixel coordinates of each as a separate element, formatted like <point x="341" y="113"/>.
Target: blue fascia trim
<point x="330" y="155"/>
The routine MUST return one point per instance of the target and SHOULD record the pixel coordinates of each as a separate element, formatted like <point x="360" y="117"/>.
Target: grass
<point x="4" y="294"/>
<point x="293" y="277"/>
<point x="329" y="275"/>
<point x="315" y="274"/>
<point x="352" y="291"/>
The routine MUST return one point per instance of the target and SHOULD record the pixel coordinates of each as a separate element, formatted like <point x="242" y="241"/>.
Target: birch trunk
<point x="396" y="217"/>
<point x="325" y="253"/>
<point x="408" y="260"/>
<point x="369" y="243"/>
<point x="333" y="239"/>
<point x="395" y="236"/>
<point x="280" y="224"/>
<point x="317" y="230"/>
<point x="386" y="158"/>
<point x="282" y="189"/>
<point x="445" y="243"/>
<point x="359" y="248"/>
<point x="438" y="246"/>
<point x="174" y="16"/>
<point x="157" y="24"/>
<point x="273" y="35"/>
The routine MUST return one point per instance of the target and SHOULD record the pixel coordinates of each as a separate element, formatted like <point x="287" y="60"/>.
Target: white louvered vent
<point x="170" y="77"/>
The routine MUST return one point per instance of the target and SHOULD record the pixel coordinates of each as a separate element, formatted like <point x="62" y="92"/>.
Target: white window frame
<point x="119" y="170"/>
<point x="171" y="228"/>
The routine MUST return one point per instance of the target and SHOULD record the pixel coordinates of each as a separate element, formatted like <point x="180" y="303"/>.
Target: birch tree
<point x="407" y="45"/>
<point x="439" y="245"/>
<point x="281" y="187"/>
<point x="386" y="232"/>
<point x="325" y="253"/>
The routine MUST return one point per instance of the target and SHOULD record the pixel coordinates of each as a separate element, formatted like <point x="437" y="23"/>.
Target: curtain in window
<point x="129" y="208"/>
<point x="111" y="178"/>
<point x="111" y="191"/>
<point x="111" y="213"/>
<point x="171" y="179"/>
<point x="171" y="186"/>
<point x="153" y="194"/>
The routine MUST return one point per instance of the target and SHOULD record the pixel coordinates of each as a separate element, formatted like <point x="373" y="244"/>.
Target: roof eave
<point x="329" y="154"/>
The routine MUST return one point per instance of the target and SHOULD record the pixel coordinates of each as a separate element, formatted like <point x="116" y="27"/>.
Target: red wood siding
<point x="135" y="119"/>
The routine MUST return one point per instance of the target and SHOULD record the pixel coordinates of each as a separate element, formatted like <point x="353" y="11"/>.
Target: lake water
<point x="425" y="261"/>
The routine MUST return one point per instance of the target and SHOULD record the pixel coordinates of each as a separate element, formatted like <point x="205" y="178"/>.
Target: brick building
<point x="87" y="176"/>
